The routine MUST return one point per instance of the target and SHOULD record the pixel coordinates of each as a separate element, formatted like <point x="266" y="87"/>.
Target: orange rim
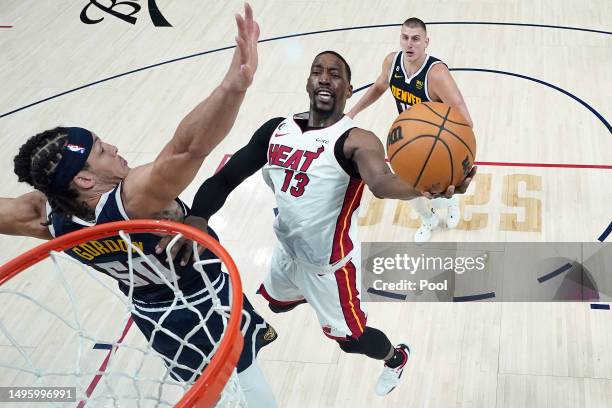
<point x="205" y="392"/>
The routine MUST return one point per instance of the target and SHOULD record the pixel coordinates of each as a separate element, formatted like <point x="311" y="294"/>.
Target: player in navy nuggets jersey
<point x="413" y="77"/>
<point x="83" y="181"/>
<point x="317" y="165"/>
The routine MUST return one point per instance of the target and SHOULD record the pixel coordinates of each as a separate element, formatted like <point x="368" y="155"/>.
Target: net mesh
<point x="57" y="317"/>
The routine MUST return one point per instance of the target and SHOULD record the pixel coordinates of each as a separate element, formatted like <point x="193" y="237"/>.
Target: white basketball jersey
<point x="317" y="200"/>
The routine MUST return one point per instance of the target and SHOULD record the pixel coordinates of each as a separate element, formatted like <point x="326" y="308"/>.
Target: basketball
<point x="431" y="147"/>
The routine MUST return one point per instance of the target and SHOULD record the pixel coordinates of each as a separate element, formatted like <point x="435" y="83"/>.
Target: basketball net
<point x="56" y="333"/>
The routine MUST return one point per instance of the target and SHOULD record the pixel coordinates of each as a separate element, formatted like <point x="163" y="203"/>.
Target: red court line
<point x="94" y="382"/>
<point x="554" y="165"/>
<point x="6" y="26"/>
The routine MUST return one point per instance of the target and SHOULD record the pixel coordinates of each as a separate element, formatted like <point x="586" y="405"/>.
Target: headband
<point x="74" y="156"/>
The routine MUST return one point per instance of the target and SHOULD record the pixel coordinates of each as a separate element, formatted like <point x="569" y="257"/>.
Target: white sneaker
<point x="453" y="216"/>
<point x="423" y="234"/>
<point x="390" y="377"/>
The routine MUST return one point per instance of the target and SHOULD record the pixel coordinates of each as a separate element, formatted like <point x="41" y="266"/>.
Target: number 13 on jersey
<point x="295" y="188"/>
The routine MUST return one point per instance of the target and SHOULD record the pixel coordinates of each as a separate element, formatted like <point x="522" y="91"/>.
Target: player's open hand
<point x="452" y="190"/>
<point x="245" y="59"/>
<point x="183" y="248"/>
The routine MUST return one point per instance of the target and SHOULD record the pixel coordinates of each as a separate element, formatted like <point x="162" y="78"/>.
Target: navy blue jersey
<point x="408" y="91"/>
<point x="109" y="255"/>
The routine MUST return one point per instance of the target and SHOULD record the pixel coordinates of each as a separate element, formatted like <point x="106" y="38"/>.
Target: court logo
<point x="123" y="10"/>
<point x="419" y="84"/>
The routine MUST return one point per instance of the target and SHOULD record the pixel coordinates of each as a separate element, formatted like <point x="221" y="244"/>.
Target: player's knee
<point x="372" y="342"/>
<point x="349" y="345"/>
<point x="276" y="308"/>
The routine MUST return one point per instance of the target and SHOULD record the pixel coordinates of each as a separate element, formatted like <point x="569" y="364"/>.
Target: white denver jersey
<point x="317" y="200"/>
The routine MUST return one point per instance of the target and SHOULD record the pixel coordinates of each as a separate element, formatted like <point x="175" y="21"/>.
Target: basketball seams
<point x="452" y="164"/>
<point x="442" y="117"/>
<point x="436" y="125"/>
<point x="462" y="142"/>
<point x="440" y="129"/>
<point x="407" y="143"/>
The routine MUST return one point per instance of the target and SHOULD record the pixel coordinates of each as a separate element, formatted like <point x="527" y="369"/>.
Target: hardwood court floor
<point x="537" y="95"/>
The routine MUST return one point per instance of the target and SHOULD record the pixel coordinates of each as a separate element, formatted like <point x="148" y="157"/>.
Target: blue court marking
<point x="102" y="346"/>
<point x="472" y="298"/>
<point x="574" y="97"/>
<point x="300" y="35"/>
<point x="605" y="234"/>
<point x="599" y="116"/>
<point x="115" y="77"/>
<point x="563" y="91"/>
<point x="361" y="88"/>
<point x="596" y="306"/>
<point x="521" y="25"/>
<point x="384" y="293"/>
<point x="554" y="273"/>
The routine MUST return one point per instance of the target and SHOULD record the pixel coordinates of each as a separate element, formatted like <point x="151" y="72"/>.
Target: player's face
<point x="328" y="85"/>
<point x="105" y="162"/>
<point x="413" y="41"/>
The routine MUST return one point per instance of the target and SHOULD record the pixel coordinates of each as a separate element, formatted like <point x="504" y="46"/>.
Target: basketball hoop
<point x="205" y="392"/>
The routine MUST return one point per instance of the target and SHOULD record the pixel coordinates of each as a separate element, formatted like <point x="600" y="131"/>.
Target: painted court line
<point x="554" y="273"/>
<point x="605" y="234"/>
<point x="472" y="298"/>
<point x="384" y="293"/>
<point x="94" y="382"/>
<point x="553" y="165"/>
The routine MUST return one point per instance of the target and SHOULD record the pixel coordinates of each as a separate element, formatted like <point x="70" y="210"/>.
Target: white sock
<point x="445" y="202"/>
<point x="421" y="206"/>
<point x="255" y="387"/>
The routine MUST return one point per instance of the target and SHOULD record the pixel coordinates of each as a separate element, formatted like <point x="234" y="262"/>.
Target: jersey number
<point x="144" y="273"/>
<point x="302" y="181"/>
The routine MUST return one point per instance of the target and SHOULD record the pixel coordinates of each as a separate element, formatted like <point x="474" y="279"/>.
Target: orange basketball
<point x="431" y="147"/>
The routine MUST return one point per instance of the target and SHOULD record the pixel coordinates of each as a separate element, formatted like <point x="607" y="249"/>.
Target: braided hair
<point x="35" y="164"/>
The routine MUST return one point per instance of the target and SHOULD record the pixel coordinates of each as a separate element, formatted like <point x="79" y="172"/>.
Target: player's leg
<point x="258" y="334"/>
<point x="279" y="288"/>
<point x="453" y="212"/>
<point x="336" y="300"/>
<point x="252" y="381"/>
<point x="255" y="388"/>
<point x="167" y="331"/>
<point x="429" y="219"/>
<point x="375" y="344"/>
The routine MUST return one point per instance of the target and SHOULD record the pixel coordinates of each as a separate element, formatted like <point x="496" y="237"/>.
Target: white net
<point x="63" y="324"/>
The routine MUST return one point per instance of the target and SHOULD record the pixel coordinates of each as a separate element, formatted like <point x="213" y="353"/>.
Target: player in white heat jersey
<point x="316" y="197"/>
<point x="318" y="164"/>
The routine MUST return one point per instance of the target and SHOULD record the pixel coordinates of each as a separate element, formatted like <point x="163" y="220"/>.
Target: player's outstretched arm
<point x="213" y="193"/>
<point x="442" y="86"/>
<point x="368" y="153"/>
<point x="150" y="188"/>
<point x="376" y="90"/>
<point x="25" y="215"/>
